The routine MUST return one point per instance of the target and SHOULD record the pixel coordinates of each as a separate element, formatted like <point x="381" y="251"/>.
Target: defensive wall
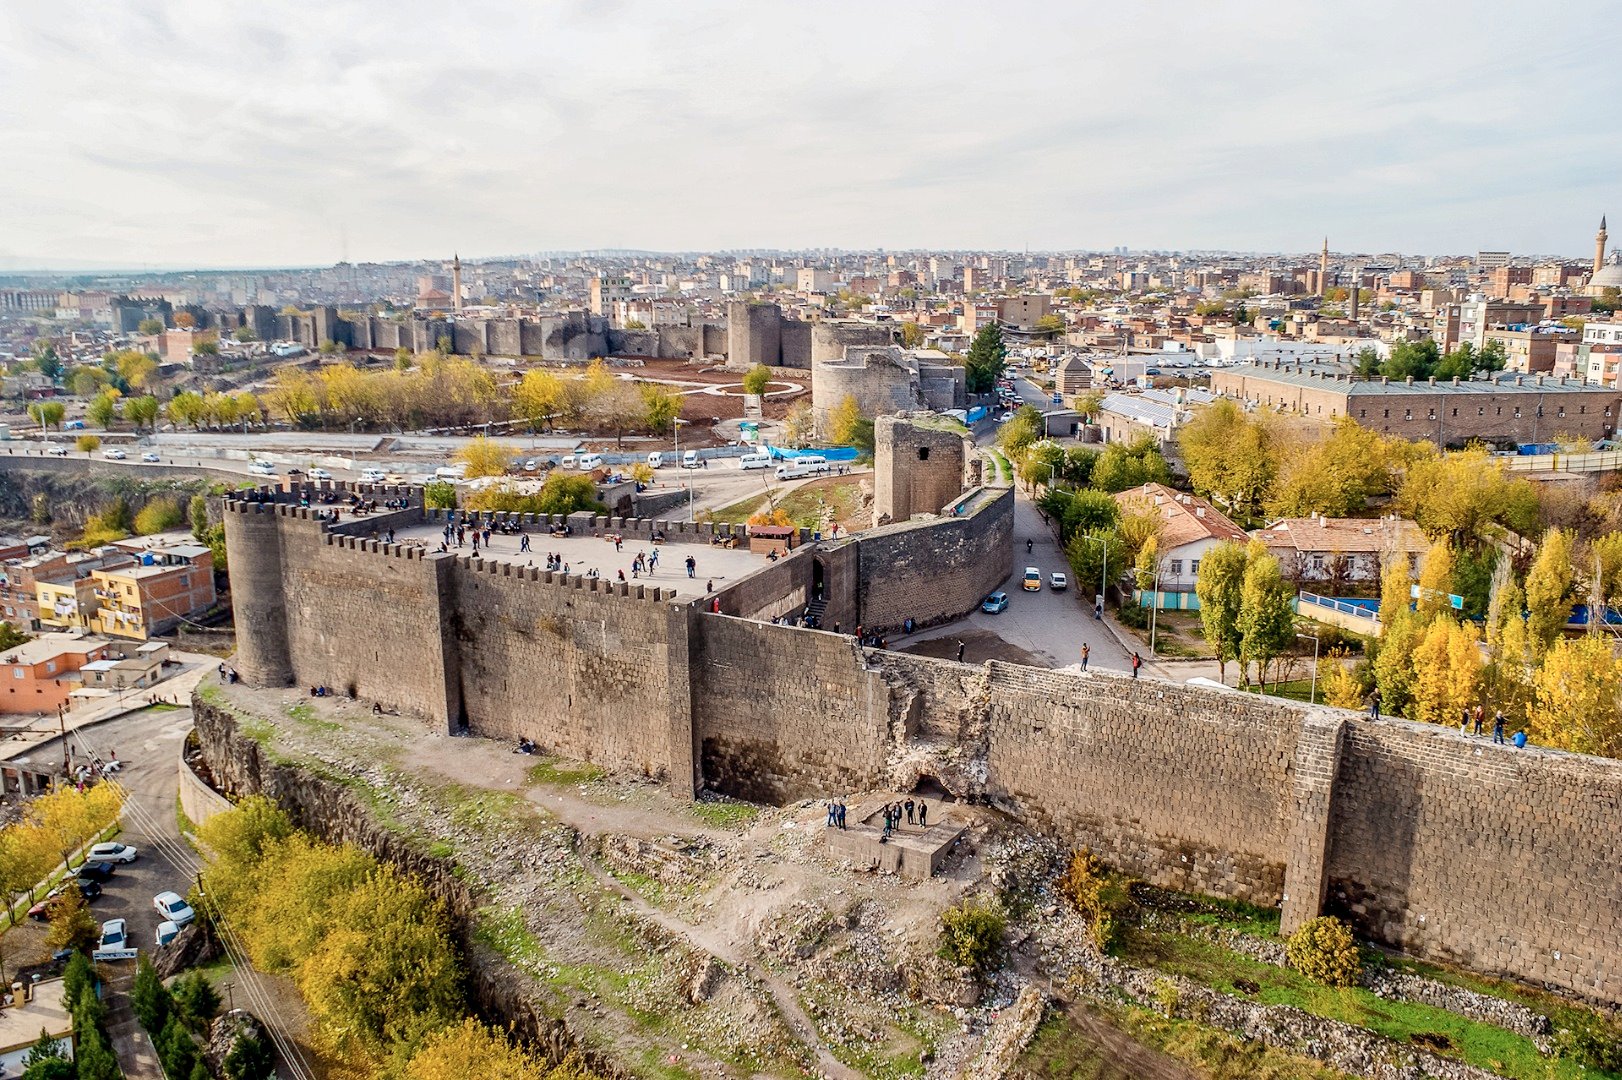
<point x="1506" y="860"/>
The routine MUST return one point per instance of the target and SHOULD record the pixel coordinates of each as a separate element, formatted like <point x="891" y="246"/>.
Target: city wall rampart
<point x="1507" y="860"/>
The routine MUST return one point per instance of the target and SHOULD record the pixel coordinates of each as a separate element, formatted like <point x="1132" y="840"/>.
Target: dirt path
<point x="1122" y="1057"/>
<point x="720" y="948"/>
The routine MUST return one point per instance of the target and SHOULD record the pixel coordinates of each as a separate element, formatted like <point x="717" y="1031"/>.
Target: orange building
<point x="164" y="586"/>
<point x="41" y="674"/>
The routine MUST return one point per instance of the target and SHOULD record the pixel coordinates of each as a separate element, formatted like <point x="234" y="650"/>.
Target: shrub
<point x="439" y="495"/>
<point x="159" y="515"/>
<point x="756" y="379"/>
<point x="1101" y="900"/>
<point x="775" y="516"/>
<point x="1166" y="996"/>
<point x="1591" y="1042"/>
<point x="1325" y="951"/>
<point x="87" y="444"/>
<point x="971" y="933"/>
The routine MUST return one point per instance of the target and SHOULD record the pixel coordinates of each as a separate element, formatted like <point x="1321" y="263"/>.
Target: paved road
<point x="148" y="743"/>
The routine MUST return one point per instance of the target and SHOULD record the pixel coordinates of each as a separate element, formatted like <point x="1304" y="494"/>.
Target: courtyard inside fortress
<point x="583" y="552"/>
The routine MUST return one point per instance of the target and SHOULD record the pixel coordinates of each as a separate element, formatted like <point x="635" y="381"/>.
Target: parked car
<point x="373" y="476"/>
<point x="1032" y="581"/>
<point x="1058" y="582"/>
<point x="112" y="851"/>
<point x="167" y="932"/>
<point x="173" y="907"/>
<point x="319" y="474"/>
<point x="41" y="912"/>
<point x="531" y="465"/>
<point x="996" y="602"/>
<point x="1005" y="417"/>
<point x="150" y="457"/>
<point x="97" y="871"/>
<point x="262" y="468"/>
<point x="113" y="453"/>
<point x="58" y="451"/>
<point x="115" y="934"/>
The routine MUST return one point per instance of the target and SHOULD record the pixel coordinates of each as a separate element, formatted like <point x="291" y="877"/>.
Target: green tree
<point x="47" y="414"/>
<point x="197" y="514"/>
<point x="150" y="327"/>
<point x="251" y="1058"/>
<point x="46" y="361"/>
<point x="660" y="407"/>
<point x="1050" y="325"/>
<point x="176" y="1049"/>
<point x="141" y="411"/>
<point x="1266" y="623"/>
<point x="1220" y="587"/>
<point x="756" y="379"/>
<point x="103" y="408"/>
<point x="1097" y="558"/>
<point x="77" y="977"/>
<point x="244" y="334"/>
<point x="1088" y="511"/>
<point x="1229" y="455"/>
<point x="149" y="998"/>
<point x="986" y="360"/>
<point x="1550" y="589"/>
<point x="1019" y="433"/>
<point x="439" y="495"/>
<point x="1128" y="465"/>
<point x="196" y="999"/>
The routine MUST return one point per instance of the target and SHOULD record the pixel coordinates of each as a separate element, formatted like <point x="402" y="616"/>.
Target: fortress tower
<point x="918" y="465"/>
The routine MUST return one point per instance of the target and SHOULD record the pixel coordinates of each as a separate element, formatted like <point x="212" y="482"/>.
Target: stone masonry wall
<point x="1500" y="859"/>
<point x="934" y="571"/>
<point x="783" y="713"/>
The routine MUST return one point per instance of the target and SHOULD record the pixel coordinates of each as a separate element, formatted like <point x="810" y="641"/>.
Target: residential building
<point x="1022" y="312"/>
<point x="1530" y="350"/>
<point x="43" y="672"/>
<point x="1157" y="413"/>
<point x="1190" y="527"/>
<point x="1335" y="552"/>
<point x="1074" y="376"/>
<point x="20" y="580"/>
<point x="164" y="586"/>
<point x="603" y="292"/>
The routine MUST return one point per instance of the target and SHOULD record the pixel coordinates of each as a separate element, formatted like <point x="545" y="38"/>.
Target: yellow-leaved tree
<point x="1550" y="587"/>
<point x="1435" y="581"/>
<point x="844" y="421"/>
<point x="472" y="1049"/>
<point x="485" y="457"/>
<point x="1338" y="682"/>
<point x="538" y="398"/>
<point x="1578" y="696"/>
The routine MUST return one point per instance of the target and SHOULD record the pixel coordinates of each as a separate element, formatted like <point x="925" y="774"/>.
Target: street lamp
<point x="1103" y="575"/>
<point x="1154" y="602"/>
<point x="676" y="425"/>
<point x="1312" y="695"/>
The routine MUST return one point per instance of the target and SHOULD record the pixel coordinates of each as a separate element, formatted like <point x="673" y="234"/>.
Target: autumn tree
<point x="485" y="457"/>
<point x="136" y="368"/>
<point x="1454" y="495"/>
<point x="1447" y="668"/>
<point x="1220" y="588"/>
<point x="538" y="397"/>
<point x="103" y="408"/>
<point x="1550" y="589"/>
<point x="141" y="411"/>
<point x="47" y="414"/>
<point x="1335" y="477"/>
<point x="1229" y="455"/>
<point x="845" y="420"/>
<point x="87" y="444"/>
<point x="1578" y="696"/>
<point x="1339" y="683"/>
<point x="660" y="407"/>
<point x="1435" y="581"/>
<point x="756" y="379"/>
<point x="72" y="924"/>
<point x="150" y="327"/>
<point x="1266" y="622"/>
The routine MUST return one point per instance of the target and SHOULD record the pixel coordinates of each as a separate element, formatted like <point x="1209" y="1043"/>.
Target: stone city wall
<point x="1507" y="860"/>
<point x="932" y="571"/>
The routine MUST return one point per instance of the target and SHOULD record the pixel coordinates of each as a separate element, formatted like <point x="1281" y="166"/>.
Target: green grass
<point x="1476" y="1043"/>
<point x="502" y="930"/>
<point x="649" y="888"/>
<point x="188" y="827"/>
<point x="1296" y="689"/>
<point x="304" y="714"/>
<point x="725" y="815"/>
<point x="1062" y="1049"/>
<point x="738" y="512"/>
<point x="551" y="771"/>
<point x="475" y="808"/>
<point x="162" y="706"/>
<point x="211" y="694"/>
<point x="440" y="849"/>
<point x="807" y="506"/>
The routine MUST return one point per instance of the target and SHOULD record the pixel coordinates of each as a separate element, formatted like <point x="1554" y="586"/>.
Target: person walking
<point x="1464" y="720"/>
<point x="692" y="566"/>
<point x="960" y="651"/>
<point x="1374" y="704"/>
<point x="841" y="813"/>
<point x="833" y="813"/>
<point x="1498" y="727"/>
<point x="1137" y="662"/>
<point x="1086" y="651"/>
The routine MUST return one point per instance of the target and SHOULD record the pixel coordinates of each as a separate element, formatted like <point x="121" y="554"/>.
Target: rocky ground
<point x="721" y="939"/>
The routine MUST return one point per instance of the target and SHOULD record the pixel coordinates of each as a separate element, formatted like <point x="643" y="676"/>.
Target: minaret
<point x="456" y="282"/>
<point x="1323" y="270"/>
<point x="1352" y="291"/>
<point x="1599" y="246"/>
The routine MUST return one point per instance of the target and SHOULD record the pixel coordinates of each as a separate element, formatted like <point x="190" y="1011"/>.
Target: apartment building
<point x="162" y="587"/>
<point x="20" y="581"/>
<point x="41" y="674"/>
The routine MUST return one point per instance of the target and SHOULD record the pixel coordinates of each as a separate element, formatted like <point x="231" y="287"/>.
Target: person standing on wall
<point x="960" y="651"/>
<point x="1137" y="662"/>
<point x="1086" y="651"/>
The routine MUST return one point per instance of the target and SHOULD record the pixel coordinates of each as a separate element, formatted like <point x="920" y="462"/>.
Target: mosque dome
<point x="1609" y="277"/>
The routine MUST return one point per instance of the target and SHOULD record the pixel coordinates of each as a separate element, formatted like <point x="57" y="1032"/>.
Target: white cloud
<point x="205" y="133"/>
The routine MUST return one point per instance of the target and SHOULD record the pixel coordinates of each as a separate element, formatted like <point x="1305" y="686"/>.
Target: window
<point x="1177" y="567"/>
<point x="16" y="673"/>
<point x="1362" y="414"/>
<point x="1388" y="414"/>
<point x="1517" y="412"/>
<point x="1194" y="567"/>
<point x="1432" y="415"/>
<point x="50" y="667"/>
<point x="923" y="455"/>
<point x="1562" y="411"/>
<point x="1481" y="411"/>
<point x="1317" y="562"/>
<point x="1455" y="412"/>
<point x="1407" y="414"/>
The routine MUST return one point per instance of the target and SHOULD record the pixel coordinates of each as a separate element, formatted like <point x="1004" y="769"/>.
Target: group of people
<point x="891" y="814"/>
<point x="228" y="673"/>
<point x="1472" y="721"/>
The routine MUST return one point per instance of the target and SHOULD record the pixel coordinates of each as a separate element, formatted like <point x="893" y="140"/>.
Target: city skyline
<point x="184" y="136"/>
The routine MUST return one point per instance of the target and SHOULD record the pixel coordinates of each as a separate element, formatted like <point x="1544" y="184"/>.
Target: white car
<point x="531" y="465"/>
<point x="373" y="476"/>
<point x="173" y="907"/>
<point x="112" y="852"/>
<point x="115" y="934"/>
<point x="167" y="932"/>
<point x="262" y="468"/>
<point x="150" y="456"/>
<point x="114" y="453"/>
<point x="1058" y="582"/>
<point x="58" y="451"/>
<point x="319" y="474"/>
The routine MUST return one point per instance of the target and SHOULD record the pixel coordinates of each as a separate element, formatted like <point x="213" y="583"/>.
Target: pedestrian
<point x="1374" y="705"/>
<point x="923" y="814"/>
<point x="833" y="813"/>
<point x="622" y="575"/>
<point x="709" y="585"/>
<point x="619" y="543"/>
<point x="653" y="560"/>
<point x="1137" y="662"/>
<point x="692" y="566"/>
<point x="1478" y="715"/>
<point x="836" y="626"/>
<point x="911" y="808"/>
<point x="1519" y="739"/>
<point x="1464" y="721"/>
<point x="960" y="651"/>
<point x="1086" y="651"/>
<point x="523" y="541"/>
<point x="841" y="813"/>
<point x="1498" y="727"/>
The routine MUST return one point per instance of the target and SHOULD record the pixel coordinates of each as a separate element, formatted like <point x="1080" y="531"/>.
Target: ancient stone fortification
<point x="919" y="465"/>
<point x="882" y="379"/>
<point x="1505" y="860"/>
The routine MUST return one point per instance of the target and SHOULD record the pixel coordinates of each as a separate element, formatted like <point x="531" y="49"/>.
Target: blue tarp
<point x="978" y="413"/>
<point x="836" y="453"/>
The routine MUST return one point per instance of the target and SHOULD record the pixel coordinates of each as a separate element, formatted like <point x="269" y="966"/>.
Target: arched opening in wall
<point x="931" y="788"/>
<point x="819" y="580"/>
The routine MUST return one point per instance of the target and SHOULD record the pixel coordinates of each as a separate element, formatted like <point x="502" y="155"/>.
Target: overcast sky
<point x="209" y="133"/>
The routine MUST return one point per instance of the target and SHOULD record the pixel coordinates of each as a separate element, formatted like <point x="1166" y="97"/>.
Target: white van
<point x="656" y="459"/>
<point x="373" y="476"/>
<point x="755" y="461"/>
<point x="262" y="468"/>
<point x="450" y="472"/>
<point x="591" y="461"/>
<point x="689" y="460"/>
